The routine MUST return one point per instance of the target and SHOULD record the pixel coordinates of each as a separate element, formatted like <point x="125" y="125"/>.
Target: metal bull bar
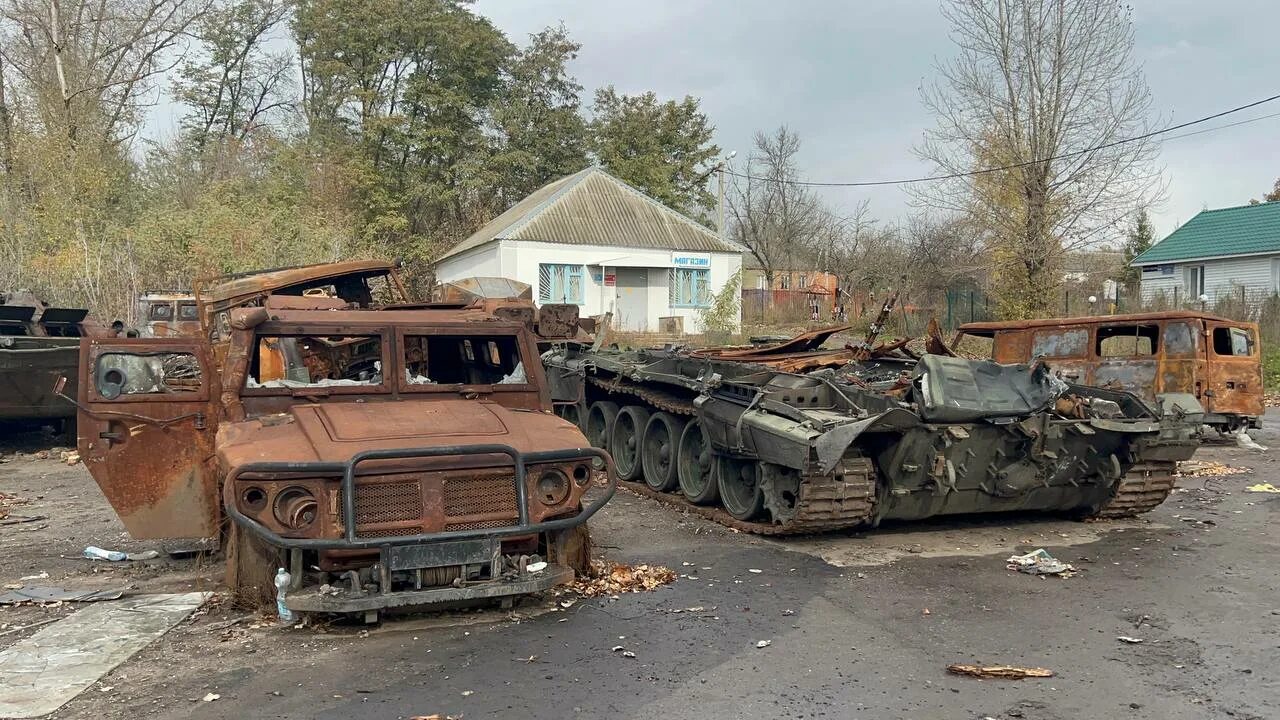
<point x="349" y="541"/>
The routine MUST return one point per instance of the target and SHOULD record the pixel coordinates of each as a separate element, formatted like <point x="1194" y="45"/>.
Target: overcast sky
<point x="845" y="75"/>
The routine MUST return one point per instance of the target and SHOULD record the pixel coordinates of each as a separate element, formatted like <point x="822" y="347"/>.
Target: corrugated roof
<point x="592" y="207"/>
<point x="1244" y="230"/>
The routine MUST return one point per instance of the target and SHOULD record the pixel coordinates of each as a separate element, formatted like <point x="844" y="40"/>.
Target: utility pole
<point x="720" y="206"/>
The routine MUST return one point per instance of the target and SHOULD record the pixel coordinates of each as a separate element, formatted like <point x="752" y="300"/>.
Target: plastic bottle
<point x="96" y="553"/>
<point x="283" y="578"/>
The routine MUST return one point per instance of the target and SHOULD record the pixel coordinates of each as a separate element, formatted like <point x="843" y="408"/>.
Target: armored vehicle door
<point x="148" y="414"/>
<point x="1127" y="357"/>
<point x="1064" y="349"/>
<point x="1181" y="358"/>
<point x="1234" y="370"/>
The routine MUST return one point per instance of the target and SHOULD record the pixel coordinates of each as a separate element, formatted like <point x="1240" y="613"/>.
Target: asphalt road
<point x="859" y="626"/>
<point x="861" y="641"/>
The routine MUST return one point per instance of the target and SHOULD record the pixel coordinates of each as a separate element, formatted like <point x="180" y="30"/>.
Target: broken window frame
<point x="318" y="331"/>
<point x="526" y="355"/>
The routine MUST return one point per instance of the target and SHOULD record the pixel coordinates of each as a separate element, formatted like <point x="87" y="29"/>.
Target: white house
<point x="1216" y="254"/>
<point x="594" y="240"/>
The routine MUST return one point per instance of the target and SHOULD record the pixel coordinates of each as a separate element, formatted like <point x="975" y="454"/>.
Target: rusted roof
<point x="230" y="287"/>
<point x="1093" y="320"/>
<point x="592" y="207"/>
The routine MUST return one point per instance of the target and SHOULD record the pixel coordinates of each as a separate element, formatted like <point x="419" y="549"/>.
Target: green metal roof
<point x="1244" y="230"/>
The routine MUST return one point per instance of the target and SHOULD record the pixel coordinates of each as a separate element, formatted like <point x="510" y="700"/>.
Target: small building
<point x="1230" y="252"/>
<point x="592" y="240"/>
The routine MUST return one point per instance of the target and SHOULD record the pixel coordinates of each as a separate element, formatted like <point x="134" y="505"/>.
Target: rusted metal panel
<point x="1169" y="352"/>
<point x="149" y="447"/>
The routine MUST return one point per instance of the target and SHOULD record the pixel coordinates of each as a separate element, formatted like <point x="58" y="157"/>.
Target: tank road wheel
<point x="624" y="441"/>
<point x="695" y="466"/>
<point x="251" y="568"/>
<point x="599" y="423"/>
<point x="658" y="451"/>
<point x="740" y="487"/>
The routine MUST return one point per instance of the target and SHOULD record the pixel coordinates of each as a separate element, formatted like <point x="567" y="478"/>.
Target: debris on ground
<point x="1263" y="488"/>
<point x="96" y="553"/>
<point x="1040" y="562"/>
<point x="8" y="502"/>
<point x="45" y="594"/>
<point x="1243" y="440"/>
<point x="763" y="643"/>
<point x="211" y="697"/>
<point x="615" y="578"/>
<point x="69" y="457"/>
<point x="1129" y="640"/>
<point x="1005" y="672"/>
<point x="1208" y="468"/>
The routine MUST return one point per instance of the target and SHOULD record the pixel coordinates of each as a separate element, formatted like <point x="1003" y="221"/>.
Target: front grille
<point x="481" y="525"/>
<point x="491" y="495"/>
<point x="385" y="502"/>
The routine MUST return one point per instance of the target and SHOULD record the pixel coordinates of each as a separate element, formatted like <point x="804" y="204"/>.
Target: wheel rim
<point x="659" y="448"/>
<point x="625" y="438"/>
<point x="694" y="465"/>
<point x="740" y="488"/>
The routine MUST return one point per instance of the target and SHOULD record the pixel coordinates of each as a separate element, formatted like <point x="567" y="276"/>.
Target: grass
<point x="1271" y="369"/>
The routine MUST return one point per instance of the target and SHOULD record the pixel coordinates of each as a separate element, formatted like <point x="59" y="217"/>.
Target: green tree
<point x="539" y="118"/>
<point x="661" y="148"/>
<point x="1274" y="195"/>
<point x="1140" y="237"/>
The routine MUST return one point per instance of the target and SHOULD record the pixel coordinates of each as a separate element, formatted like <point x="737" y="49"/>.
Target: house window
<point x="804" y="281"/>
<point x="1193" y="281"/>
<point x="689" y="287"/>
<point x="784" y="281"/>
<point x="560" y="283"/>
<point x="1275" y="275"/>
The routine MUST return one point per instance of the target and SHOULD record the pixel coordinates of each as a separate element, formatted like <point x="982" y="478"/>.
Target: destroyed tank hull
<point x="775" y="452"/>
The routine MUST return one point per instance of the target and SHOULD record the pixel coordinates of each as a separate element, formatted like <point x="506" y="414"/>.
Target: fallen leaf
<point x="1007" y="672"/>
<point x="613" y="578"/>
<point x="764" y="643"/>
<point x="211" y="697"/>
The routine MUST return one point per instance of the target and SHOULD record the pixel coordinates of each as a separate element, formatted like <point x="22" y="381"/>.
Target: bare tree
<point x="775" y="219"/>
<point x="1043" y="86"/>
<point x="88" y="64"/>
<point x="234" y="85"/>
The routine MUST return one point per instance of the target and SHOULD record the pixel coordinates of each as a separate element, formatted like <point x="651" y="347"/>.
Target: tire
<point x="695" y="466"/>
<point x="624" y="441"/>
<point x="658" y="450"/>
<point x="739" y="482"/>
<point x="251" y="568"/>
<point x="599" y="423"/>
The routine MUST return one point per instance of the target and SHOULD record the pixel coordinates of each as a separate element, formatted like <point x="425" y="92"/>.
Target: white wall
<point x="519" y="260"/>
<point x="1257" y="274"/>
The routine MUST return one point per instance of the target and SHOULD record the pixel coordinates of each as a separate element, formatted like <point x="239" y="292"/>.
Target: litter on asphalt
<point x="1003" y="672"/>
<point x="46" y="594"/>
<point x="1262" y="488"/>
<point x="1039" y="562"/>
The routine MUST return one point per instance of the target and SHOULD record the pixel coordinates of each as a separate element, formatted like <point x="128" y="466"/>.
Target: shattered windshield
<point x="301" y="361"/>
<point x="463" y="360"/>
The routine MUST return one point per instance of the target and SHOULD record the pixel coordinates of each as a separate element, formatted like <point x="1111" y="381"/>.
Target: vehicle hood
<point x="334" y="432"/>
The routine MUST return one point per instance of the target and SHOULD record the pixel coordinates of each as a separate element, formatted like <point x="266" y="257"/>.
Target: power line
<point x="1063" y="156"/>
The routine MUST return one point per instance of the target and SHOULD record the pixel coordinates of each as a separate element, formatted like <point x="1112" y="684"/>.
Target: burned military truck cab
<point x="386" y="456"/>
<point x="1157" y="356"/>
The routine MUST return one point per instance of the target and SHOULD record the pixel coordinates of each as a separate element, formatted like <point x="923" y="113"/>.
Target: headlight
<point x="253" y="498"/>
<point x="295" y="507"/>
<point x="553" y="487"/>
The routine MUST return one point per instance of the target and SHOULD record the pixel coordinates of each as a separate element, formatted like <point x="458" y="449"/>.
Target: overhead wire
<point x="1062" y="156"/>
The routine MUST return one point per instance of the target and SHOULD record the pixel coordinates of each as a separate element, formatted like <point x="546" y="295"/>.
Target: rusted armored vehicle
<point x="1153" y="355"/>
<point x="167" y="313"/>
<point x="855" y="436"/>
<point x="387" y="455"/>
<point x="38" y="345"/>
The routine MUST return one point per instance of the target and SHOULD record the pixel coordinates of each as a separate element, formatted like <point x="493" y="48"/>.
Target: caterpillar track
<point x="1145" y="486"/>
<point x="825" y="504"/>
<point x="844" y="499"/>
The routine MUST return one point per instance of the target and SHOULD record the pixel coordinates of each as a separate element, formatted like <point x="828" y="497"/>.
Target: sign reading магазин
<point x="690" y="260"/>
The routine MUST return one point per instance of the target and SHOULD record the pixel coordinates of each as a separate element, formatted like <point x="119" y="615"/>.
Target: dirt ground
<point x="859" y="625"/>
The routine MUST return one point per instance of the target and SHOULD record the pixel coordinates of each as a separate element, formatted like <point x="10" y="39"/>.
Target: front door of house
<point x="631" y="301"/>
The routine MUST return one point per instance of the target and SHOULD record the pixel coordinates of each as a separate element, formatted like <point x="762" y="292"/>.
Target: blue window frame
<point x="689" y="287"/>
<point x="560" y="283"/>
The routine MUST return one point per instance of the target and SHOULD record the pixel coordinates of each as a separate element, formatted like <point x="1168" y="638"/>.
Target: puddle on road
<point x="954" y="539"/>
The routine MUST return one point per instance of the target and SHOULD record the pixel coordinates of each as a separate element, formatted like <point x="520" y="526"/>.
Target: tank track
<point x="660" y="399"/>
<point x="1145" y="486"/>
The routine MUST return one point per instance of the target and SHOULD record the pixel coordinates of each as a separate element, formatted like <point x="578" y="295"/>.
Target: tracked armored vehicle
<point x="854" y="438"/>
